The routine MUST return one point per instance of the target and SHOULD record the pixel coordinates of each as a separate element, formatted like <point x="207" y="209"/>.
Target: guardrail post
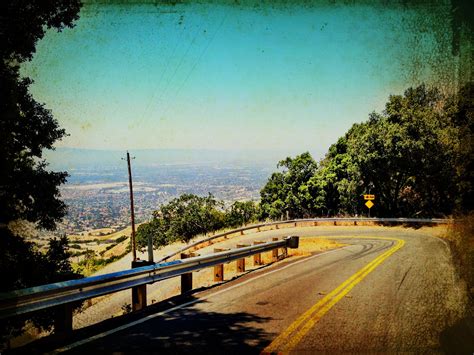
<point x="138" y="297"/>
<point x="315" y="223"/>
<point x="241" y="262"/>
<point x="219" y="269"/>
<point x="257" y="258"/>
<point x="63" y="319"/>
<point x="258" y="229"/>
<point x="355" y="223"/>
<point x="186" y="279"/>
<point x="295" y="224"/>
<point x="276" y="226"/>
<point x="241" y="232"/>
<point x="275" y="251"/>
<point x="139" y="292"/>
<point x="335" y="223"/>
<point x="292" y="242"/>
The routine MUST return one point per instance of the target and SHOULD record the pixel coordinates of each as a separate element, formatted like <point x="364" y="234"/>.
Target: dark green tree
<point x="287" y="192"/>
<point x="416" y="157"/>
<point x="190" y="215"/>
<point x="401" y="157"/>
<point x="460" y="139"/>
<point x="182" y="219"/>
<point x="241" y="213"/>
<point x="272" y="197"/>
<point x="334" y="184"/>
<point x="28" y="190"/>
<point x="154" y="229"/>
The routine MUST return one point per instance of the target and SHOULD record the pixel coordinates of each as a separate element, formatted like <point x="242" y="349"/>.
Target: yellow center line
<point x="289" y="338"/>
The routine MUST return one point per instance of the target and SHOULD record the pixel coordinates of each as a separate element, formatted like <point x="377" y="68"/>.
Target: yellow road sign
<point x="369" y="204"/>
<point x="369" y="197"/>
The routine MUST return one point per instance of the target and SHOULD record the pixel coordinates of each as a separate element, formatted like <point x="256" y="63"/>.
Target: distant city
<point x="97" y="192"/>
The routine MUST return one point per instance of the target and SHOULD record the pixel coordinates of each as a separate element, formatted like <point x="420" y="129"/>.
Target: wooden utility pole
<point x="132" y="211"/>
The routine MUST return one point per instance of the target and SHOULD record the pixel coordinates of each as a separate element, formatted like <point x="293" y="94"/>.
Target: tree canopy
<point x="416" y="157"/>
<point x="28" y="190"/>
<point x="190" y="215"/>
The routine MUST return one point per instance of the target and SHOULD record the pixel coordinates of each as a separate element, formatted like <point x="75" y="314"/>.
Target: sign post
<point x="369" y="198"/>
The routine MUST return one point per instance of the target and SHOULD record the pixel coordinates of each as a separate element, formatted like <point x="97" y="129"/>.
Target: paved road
<point x="389" y="290"/>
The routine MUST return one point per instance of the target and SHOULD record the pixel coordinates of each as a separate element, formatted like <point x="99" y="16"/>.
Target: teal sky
<point x="209" y="76"/>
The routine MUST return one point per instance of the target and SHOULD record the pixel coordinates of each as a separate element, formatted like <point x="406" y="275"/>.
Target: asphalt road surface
<point x="388" y="290"/>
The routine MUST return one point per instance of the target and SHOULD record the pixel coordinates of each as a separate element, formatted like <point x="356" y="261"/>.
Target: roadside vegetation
<point x="91" y="263"/>
<point x="416" y="157"/>
<point x="28" y="189"/>
<point x="460" y="237"/>
<point x="189" y="215"/>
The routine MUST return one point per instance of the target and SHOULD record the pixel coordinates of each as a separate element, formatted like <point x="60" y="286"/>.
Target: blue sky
<point x="210" y="76"/>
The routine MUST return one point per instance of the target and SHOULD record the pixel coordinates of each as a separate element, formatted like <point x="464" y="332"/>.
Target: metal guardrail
<point x="329" y="219"/>
<point x="65" y="293"/>
<point x="52" y="295"/>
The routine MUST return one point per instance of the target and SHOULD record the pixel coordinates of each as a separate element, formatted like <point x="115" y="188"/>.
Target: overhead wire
<point x="170" y="79"/>
<point x="194" y="65"/>
<point x="156" y="90"/>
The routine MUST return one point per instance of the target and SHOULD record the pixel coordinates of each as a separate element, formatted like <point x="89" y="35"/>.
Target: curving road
<point x="388" y="290"/>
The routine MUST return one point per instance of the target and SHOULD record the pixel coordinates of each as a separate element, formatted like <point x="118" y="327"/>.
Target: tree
<point x="241" y="213"/>
<point x="27" y="189"/>
<point x="287" y="192"/>
<point x="190" y="215"/>
<point x="416" y="157"/>
<point x="335" y="183"/>
<point x="182" y="219"/>
<point x="460" y="139"/>
<point x="401" y="157"/>
<point x="22" y="265"/>
<point x="272" y="197"/>
<point x="154" y="229"/>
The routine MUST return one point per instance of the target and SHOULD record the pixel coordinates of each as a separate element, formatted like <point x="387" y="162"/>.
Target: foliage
<point x="460" y="137"/>
<point x="460" y="237"/>
<point x="126" y="308"/>
<point x="155" y="229"/>
<point x="22" y="265"/>
<point x="241" y="213"/>
<point x="91" y="263"/>
<point x="121" y="239"/>
<point x="287" y="192"/>
<point x="416" y="157"/>
<point x="189" y="215"/>
<point x="28" y="190"/>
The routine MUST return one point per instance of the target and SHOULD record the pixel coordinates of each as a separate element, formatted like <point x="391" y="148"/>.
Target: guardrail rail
<point x="64" y="294"/>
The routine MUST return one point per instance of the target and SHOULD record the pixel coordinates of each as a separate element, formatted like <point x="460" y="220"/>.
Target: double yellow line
<point x="287" y="340"/>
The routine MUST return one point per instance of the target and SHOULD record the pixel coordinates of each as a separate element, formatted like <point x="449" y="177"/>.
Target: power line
<point x="179" y="65"/>
<point x="156" y="90"/>
<point x="195" y="64"/>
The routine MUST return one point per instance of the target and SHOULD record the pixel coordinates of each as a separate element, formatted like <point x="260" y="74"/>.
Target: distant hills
<point x="76" y="158"/>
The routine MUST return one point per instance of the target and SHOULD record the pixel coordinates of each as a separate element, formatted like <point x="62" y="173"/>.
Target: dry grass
<point x="460" y="237"/>
<point x="93" y="235"/>
<point x="307" y="247"/>
<point x="312" y="245"/>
